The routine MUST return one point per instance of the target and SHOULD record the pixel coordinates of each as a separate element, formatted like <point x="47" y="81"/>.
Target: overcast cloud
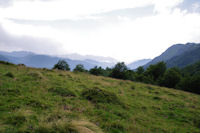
<point x="10" y="42"/>
<point x="124" y="29"/>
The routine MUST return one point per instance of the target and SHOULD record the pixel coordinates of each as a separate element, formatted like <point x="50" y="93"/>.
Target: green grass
<point x="47" y="101"/>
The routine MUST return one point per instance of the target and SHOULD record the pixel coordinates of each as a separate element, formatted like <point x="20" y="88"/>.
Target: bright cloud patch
<point x="123" y="29"/>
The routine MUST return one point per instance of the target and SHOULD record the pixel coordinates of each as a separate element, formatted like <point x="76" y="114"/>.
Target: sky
<point x="126" y="30"/>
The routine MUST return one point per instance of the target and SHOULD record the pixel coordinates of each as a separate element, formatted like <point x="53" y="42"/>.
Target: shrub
<point x="97" y="71"/>
<point x="9" y="74"/>
<point x="171" y="78"/>
<point x="79" y="68"/>
<point x="62" y="65"/>
<point x="97" y="95"/>
<point x="62" y="91"/>
<point x="133" y="87"/>
<point x="157" y="70"/>
<point x="119" y="71"/>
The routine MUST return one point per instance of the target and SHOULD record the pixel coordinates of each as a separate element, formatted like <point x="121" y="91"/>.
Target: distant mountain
<point x="187" y="58"/>
<point x="179" y="55"/>
<point x="46" y="61"/>
<point x="90" y="57"/>
<point x="138" y="63"/>
<point x="16" y="53"/>
<point x="2" y="58"/>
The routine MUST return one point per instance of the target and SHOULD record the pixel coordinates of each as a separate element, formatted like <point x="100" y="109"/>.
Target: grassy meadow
<point x="53" y="101"/>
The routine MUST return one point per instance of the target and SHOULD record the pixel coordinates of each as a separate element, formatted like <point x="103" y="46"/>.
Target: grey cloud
<point x="189" y="6"/>
<point x="10" y="42"/>
<point x="5" y="3"/>
<point x="90" y="23"/>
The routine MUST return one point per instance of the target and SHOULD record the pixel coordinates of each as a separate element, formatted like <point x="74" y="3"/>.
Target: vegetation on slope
<point x="48" y="101"/>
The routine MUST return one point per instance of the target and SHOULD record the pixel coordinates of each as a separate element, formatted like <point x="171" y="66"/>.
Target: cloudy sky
<point x="127" y="30"/>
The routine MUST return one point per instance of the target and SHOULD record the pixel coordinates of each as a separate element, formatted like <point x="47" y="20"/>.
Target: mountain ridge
<point x="175" y="54"/>
<point x="47" y="61"/>
<point x="138" y="63"/>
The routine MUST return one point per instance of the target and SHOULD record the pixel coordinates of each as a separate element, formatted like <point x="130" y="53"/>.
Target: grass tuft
<point x="97" y="95"/>
<point x="62" y="92"/>
<point x="16" y="119"/>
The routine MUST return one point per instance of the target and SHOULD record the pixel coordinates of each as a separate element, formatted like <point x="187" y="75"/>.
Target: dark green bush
<point x="133" y="87"/>
<point x="62" y="65"/>
<point x="62" y="92"/>
<point x="119" y="71"/>
<point x="9" y="74"/>
<point x="98" y="71"/>
<point x="97" y="95"/>
<point x="79" y="68"/>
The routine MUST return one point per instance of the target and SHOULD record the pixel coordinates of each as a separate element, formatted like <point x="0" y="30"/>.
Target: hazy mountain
<point x="138" y="63"/>
<point x="90" y="57"/>
<point x="2" y="58"/>
<point x="46" y="61"/>
<point x="176" y="55"/>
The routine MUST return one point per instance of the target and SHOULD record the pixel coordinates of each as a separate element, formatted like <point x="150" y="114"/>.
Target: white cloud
<point x="72" y="9"/>
<point x="126" y="39"/>
<point x="165" y="6"/>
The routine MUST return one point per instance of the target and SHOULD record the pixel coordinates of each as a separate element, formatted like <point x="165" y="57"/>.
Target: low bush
<point x="133" y="87"/>
<point x="97" y="95"/>
<point x="9" y="74"/>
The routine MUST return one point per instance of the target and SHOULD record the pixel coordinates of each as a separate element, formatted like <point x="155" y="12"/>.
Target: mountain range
<point x="179" y="55"/>
<point x="46" y="61"/>
<point x="136" y="64"/>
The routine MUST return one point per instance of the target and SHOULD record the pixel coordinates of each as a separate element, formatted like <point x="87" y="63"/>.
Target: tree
<point x="156" y="71"/>
<point x="119" y="71"/>
<point x="140" y="70"/>
<point x="79" y="68"/>
<point x="130" y="75"/>
<point x="62" y="65"/>
<point x="97" y="71"/>
<point x="190" y="83"/>
<point x="171" y="78"/>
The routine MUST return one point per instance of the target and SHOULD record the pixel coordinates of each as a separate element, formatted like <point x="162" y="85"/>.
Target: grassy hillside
<point x="48" y="101"/>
